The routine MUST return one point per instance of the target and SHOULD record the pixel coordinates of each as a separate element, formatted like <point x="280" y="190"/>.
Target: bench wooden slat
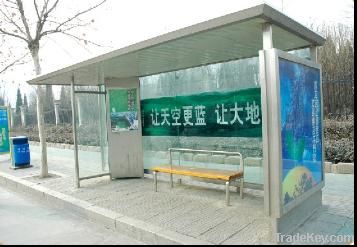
<point x="199" y="172"/>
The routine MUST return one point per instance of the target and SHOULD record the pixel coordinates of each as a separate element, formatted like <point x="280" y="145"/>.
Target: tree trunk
<point x="40" y="117"/>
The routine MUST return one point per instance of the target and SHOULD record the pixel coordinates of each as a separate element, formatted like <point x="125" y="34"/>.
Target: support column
<point x="313" y="53"/>
<point x="74" y="126"/>
<point x="57" y="104"/>
<point x="271" y="133"/>
<point x="267" y="36"/>
<point x="79" y="113"/>
<point x="23" y="115"/>
<point x="103" y="119"/>
<point x="267" y="33"/>
<point x="12" y="117"/>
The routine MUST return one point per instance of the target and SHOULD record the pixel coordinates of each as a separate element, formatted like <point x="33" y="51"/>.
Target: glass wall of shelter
<point x="212" y="107"/>
<point x="91" y="131"/>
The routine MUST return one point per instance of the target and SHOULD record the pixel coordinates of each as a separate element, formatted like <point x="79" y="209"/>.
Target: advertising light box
<point x="301" y="129"/>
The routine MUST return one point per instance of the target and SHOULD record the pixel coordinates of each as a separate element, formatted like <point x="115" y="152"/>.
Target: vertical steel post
<point x="313" y="53"/>
<point x="102" y="116"/>
<point x="242" y="178"/>
<point x="227" y="193"/>
<point x="171" y="176"/>
<point x="57" y="104"/>
<point x="267" y="36"/>
<point x="179" y="180"/>
<point x="155" y="180"/>
<point x="74" y="118"/>
<point x="267" y="33"/>
<point x="241" y="187"/>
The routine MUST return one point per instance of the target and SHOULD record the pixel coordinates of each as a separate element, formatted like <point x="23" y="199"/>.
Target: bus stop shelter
<point x="247" y="82"/>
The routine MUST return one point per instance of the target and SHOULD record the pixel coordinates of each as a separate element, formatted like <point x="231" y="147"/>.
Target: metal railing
<point x="187" y="150"/>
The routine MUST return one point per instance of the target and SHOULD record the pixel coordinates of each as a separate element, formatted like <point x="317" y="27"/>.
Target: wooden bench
<point x="226" y="176"/>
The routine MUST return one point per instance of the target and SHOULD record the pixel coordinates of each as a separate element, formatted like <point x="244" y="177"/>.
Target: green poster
<point x="228" y="114"/>
<point x="123" y="109"/>
<point x="4" y="131"/>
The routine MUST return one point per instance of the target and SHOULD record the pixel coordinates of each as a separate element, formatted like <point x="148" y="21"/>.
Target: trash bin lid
<point x="19" y="137"/>
<point x="19" y="140"/>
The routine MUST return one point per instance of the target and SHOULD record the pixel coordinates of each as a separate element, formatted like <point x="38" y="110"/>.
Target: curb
<point x="339" y="168"/>
<point x="134" y="228"/>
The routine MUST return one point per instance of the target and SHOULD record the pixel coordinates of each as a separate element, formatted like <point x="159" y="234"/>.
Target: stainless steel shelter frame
<point x="271" y="108"/>
<point x="243" y="34"/>
<point x="102" y="130"/>
<point x="269" y="69"/>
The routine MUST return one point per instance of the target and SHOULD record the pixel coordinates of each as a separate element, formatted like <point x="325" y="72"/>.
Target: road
<point x="26" y="221"/>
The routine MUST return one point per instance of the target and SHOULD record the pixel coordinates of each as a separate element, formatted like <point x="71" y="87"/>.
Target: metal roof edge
<point x="217" y="22"/>
<point x="260" y="11"/>
<point x="276" y="17"/>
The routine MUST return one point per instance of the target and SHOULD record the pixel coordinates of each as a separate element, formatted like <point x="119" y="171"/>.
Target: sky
<point x="121" y="23"/>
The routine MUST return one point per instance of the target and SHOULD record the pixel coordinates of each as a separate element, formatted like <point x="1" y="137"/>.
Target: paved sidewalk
<point x="336" y="217"/>
<point x="191" y="209"/>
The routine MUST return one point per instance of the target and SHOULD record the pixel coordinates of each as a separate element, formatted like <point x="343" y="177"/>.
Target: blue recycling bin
<point x="20" y="151"/>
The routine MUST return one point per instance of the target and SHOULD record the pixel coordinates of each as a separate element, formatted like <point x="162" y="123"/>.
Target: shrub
<point x="339" y="140"/>
<point x="339" y="150"/>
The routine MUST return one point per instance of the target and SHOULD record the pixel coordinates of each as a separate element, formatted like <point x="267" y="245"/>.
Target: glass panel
<point x="88" y="88"/>
<point x="206" y="86"/>
<point x="91" y="133"/>
<point x="302" y="53"/>
<point x="155" y="148"/>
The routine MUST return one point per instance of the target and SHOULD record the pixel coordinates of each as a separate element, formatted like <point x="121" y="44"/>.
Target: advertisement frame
<point x="8" y="127"/>
<point x="271" y="132"/>
<point x="136" y="110"/>
<point x="248" y="100"/>
<point x="297" y="201"/>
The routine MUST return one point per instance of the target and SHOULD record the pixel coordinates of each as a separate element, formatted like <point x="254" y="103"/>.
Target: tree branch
<point x="66" y="29"/>
<point x="23" y="18"/>
<point x="52" y="8"/>
<point x="11" y="21"/>
<point x="57" y="29"/>
<point x="41" y="18"/>
<point x="14" y="63"/>
<point x="36" y="8"/>
<point x="8" y="6"/>
<point x="13" y="35"/>
<point x="80" y="39"/>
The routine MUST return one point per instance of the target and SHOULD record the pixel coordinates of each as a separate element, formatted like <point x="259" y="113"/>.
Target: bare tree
<point x="30" y="24"/>
<point x="337" y="59"/>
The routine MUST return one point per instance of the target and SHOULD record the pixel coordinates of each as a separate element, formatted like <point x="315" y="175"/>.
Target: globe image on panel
<point x="296" y="182"/>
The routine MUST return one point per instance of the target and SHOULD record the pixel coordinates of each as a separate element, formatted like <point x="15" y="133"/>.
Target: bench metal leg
<point x="241" y="187"/>
<point x="171" y="181"/>
<point x="155" y="181"/>
<point x="227" y="193"/>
